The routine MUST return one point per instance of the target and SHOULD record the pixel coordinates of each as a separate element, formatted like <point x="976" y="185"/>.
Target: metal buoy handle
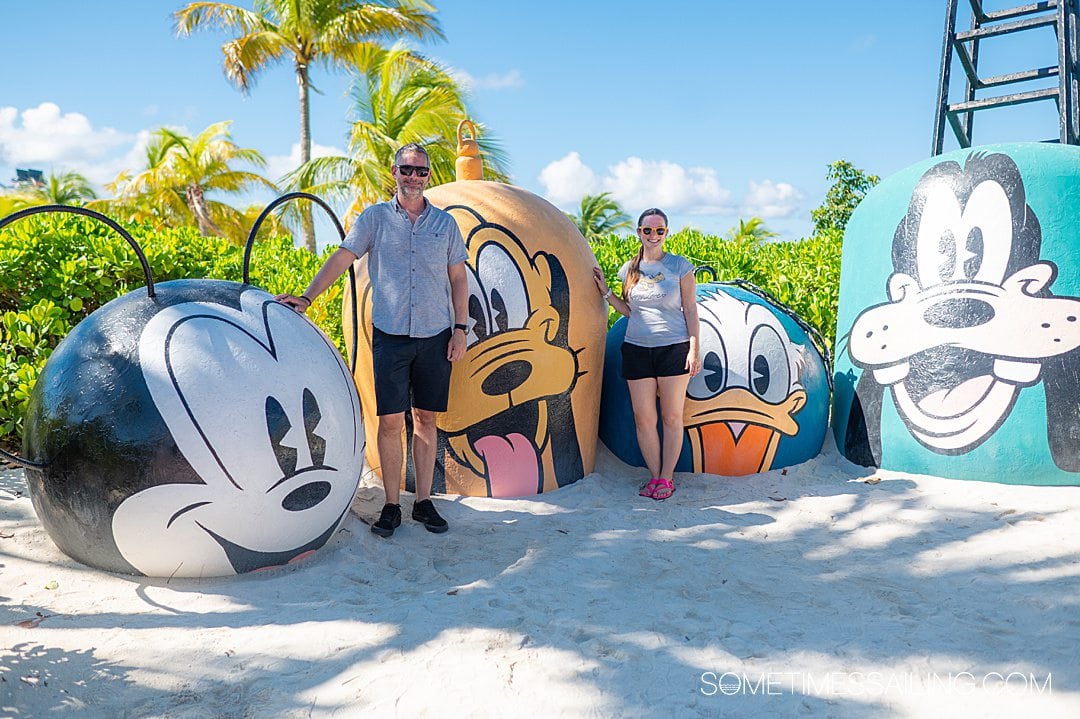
<point x="269" y="208"/>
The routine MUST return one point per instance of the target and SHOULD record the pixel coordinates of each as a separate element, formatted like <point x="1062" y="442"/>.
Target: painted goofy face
<point x="970" y="317"/>
<point x="266" y="413"/>
<point x="748" y="391"/>
<point x="507" y="423"/>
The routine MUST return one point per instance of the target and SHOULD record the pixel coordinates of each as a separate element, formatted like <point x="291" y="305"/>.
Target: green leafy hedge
<point x="804" y="275"/>
<point x="57" y="269"/>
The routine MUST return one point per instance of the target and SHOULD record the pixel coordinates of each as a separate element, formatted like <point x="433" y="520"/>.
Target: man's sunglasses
<point x="408" y="170"/>
<point x="660" y="231"/>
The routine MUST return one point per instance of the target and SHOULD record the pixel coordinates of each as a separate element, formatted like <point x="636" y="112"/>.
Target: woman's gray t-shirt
<point x="656" y="310"/>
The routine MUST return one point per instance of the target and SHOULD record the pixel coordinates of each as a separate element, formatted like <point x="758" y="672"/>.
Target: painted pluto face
<point x="970" y="319"/>
<point x="748" y="391"/>
<point x="505" y="423"/>
<point x="257" y="403"/>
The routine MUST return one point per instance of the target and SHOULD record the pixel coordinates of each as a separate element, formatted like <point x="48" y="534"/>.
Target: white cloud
<point x="768" y="199"/>
<point x="46" y="138"/>
<point x="510" y="79"/>
<point x="279" y="165"/>
<point x="567" y="180"/>
<point x="646" y="183"/>
<point x="637" y="183"/>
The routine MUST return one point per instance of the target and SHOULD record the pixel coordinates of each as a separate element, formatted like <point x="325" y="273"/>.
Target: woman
<point x="660" y="351"/>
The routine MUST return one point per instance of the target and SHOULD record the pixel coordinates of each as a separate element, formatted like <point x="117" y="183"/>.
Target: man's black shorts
<point x="644" y="362"/>
<point x="410" y="372"/>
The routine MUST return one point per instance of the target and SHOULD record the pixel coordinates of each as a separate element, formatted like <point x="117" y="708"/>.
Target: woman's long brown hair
<point x="633" y="272"/>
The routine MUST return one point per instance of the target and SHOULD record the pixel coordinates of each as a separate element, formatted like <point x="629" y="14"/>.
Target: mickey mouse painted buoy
<point x="195" y="428"/>
<point x="761" y="400"/>
<point x="523" y="407"/>
<point x="958" y="334"/>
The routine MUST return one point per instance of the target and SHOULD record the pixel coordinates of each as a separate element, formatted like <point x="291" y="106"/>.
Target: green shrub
<point x="57" y="269"/>
<point x="804" y="275"/>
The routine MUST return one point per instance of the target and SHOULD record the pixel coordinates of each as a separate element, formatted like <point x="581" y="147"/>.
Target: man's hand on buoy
<point x="299" y="304"/>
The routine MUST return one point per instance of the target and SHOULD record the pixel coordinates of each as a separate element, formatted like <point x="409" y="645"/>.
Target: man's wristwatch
<point x="608" y="293"/>
<point x="463" y="328"/>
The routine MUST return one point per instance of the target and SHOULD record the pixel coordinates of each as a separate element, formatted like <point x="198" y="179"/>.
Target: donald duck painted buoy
<point x="760" y="401"/>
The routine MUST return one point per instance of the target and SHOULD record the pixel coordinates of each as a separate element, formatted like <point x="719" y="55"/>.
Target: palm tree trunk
<point x="307" y="226"/>
<point x="197" y="204"/>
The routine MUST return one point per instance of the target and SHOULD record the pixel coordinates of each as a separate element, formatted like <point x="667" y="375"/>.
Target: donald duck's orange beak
<point x="736" y="433"/>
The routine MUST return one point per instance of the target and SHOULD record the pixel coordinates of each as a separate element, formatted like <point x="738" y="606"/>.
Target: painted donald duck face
<point x="748" y="391"/>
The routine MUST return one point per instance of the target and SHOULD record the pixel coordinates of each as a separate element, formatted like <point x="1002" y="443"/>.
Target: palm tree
<point x="66" y="188"/>
<point x="400" y="97"/>
<point x="600" y="215"/>
<point x="752" y="231"/>
<point x="327" y="32"/>
<point x="181" y="169"/>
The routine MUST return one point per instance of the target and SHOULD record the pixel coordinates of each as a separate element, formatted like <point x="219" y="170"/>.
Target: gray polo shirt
<point x="407" y="264"/>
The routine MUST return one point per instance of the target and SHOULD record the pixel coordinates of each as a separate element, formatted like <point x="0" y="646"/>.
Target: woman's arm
<point x="617" y="302"/>
<point x="688" y="289"/>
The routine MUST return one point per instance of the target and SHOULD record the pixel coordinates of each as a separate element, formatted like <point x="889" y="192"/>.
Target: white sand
<point x="806" y="593"/>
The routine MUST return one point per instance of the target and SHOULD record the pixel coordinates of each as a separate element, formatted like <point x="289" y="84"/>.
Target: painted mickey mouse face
<point x="264" y="410"/>
<point x="970" y="317"/>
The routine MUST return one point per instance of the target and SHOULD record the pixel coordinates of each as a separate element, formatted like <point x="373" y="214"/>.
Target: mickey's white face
<point x="265" y="411"/>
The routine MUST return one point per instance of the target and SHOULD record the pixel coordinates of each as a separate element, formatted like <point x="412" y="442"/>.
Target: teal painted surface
<point x="1013" y="338"/>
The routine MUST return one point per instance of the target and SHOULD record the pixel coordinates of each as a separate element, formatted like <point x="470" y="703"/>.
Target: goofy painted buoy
<point x="760" y="402"/>
<point x="958" y="340"/>
<point x="523" y="407"/>
<point x="194" y="428"/>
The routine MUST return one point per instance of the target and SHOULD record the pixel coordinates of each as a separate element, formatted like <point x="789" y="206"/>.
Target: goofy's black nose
<point x="507" y="378"/>
<point x="958" y="313"/>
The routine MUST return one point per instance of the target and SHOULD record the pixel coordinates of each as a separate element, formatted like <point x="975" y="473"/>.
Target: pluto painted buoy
<point x="523" y="408"/>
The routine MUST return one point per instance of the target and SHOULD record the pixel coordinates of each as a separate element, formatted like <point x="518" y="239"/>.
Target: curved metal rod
<point x="355" y="339"/>
<point x="262" y="216"/>
<point x="24" y="463"/>
<point x="16" y="216"/>
<point x="61" y="209"/>
<point x="705" y="268"/>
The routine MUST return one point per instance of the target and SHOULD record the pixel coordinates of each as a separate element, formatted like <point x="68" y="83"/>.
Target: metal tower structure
<point x="999" y="24"/>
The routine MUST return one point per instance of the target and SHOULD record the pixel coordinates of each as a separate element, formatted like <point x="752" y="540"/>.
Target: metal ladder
<point x="1062" y="15"/>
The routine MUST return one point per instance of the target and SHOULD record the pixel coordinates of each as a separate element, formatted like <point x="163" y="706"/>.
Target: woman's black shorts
<point x="644" y="362"/>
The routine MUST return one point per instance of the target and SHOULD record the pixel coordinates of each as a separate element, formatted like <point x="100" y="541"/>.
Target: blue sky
<point x="714" y="110"/>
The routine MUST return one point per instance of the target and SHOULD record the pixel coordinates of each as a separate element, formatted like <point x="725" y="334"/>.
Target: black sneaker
<point x="389" y="520"/>
<point x="425" y="512"/>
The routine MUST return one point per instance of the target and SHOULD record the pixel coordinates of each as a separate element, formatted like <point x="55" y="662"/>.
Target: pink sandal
<point x="650" y="487"/>
<point x="664" y="488"/>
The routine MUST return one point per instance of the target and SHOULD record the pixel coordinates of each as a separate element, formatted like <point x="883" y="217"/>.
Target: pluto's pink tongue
<point x="513" y="468"/>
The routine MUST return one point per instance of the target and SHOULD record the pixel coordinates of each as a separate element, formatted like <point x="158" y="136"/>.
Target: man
<point x="420" y="292"/>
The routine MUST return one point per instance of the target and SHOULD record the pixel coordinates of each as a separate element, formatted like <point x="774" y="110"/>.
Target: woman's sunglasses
<point x="408" y="170"/>
<point x="660" y="231"/>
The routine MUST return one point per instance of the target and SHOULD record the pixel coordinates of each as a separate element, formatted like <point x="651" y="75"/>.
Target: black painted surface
<point x="93" y="423"/>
